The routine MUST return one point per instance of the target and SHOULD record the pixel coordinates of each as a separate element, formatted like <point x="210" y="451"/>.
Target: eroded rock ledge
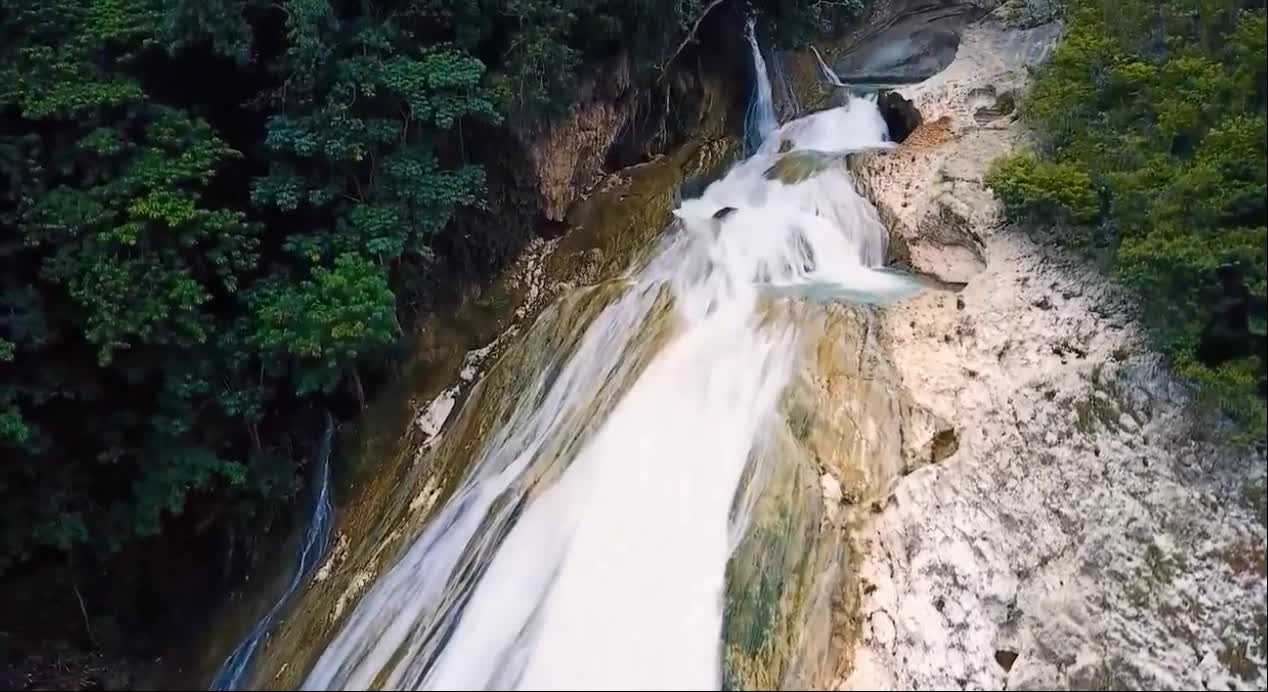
<point x="1084" y="532"/>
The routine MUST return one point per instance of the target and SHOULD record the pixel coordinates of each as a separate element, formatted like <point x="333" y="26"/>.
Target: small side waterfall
<point x="787" y="101"/>
<point x="316" y="539"/>
<point x="828" y="72"/>
<point x="762" y="120"/>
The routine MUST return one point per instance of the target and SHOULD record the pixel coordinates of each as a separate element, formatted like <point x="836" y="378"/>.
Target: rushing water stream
<point x="587" y="545"/>
<point x="762" y="120"/>
<point x="313" y="546"/>
<point x="828" y="73"/>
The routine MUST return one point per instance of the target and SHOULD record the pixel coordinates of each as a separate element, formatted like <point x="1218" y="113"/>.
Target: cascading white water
<point x="587" y="546"/>
<point x="762" y="120"/>
<point x="313" y="546"/>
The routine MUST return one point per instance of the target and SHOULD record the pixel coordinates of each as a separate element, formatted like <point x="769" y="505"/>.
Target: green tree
<point x="328" y="324"/>
<point x="119" y="282"/>
<point x="362" y="114"/>
<point x="1151" y="125"/>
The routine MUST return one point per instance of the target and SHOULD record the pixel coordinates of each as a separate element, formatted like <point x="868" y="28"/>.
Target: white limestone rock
<point x="1087" y="533"/>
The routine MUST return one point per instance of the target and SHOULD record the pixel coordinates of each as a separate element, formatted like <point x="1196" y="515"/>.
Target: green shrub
<point x="1036" y="189"/>
<point x="1151" y="130"/>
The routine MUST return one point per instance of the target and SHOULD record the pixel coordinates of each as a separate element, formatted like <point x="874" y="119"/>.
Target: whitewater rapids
<point x="587" y="547"/>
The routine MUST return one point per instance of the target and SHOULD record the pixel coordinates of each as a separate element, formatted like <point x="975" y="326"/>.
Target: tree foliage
<point x="1151" y="123"/>
<point x="114" y="265"/>
<point x="186" y="261"/>
<point x="327" y="323"/>
<point x="159" y="310"/>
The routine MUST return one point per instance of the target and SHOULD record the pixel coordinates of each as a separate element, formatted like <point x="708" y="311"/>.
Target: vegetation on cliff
<point x="1150" y="120"/>
<point x="215" y="213"/>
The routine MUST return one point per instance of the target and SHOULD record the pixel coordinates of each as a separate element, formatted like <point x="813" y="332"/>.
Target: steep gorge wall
<point x="620" y="117"/>
<point x="1086" y="531"/>
<point x="567" y="157"/>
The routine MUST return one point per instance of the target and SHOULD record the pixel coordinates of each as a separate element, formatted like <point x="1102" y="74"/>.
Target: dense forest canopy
<point x="214" y="211"/>
<point x="1150" y="121"/>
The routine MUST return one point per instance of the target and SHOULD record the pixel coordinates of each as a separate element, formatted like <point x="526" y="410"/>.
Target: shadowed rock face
<point x="920" y="43"/>
<point x="901" y="115"/>
<point x="567" y="159"/>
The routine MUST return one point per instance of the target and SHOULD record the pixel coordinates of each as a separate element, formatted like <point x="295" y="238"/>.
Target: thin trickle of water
<point x="828" y="73"/>
<point x="316" y="539"/>
<point x="587" y="546"/>
<point x="762" y="120"/>
<point x="785" y="92"/>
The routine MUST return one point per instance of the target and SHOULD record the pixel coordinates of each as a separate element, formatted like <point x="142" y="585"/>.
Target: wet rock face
<point x="567" y="158"/>
<point x="620" y="119"/>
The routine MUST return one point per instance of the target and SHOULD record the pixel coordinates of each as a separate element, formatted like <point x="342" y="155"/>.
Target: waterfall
<point x="316" y="539"/>
<point x="828" y="72"/>
<point x="587" y="544"/>
<point x="761" y="116"/>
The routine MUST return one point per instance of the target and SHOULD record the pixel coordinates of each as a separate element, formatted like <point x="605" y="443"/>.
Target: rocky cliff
<point x="567" y="157"/>
<point x="1086" y="531"/>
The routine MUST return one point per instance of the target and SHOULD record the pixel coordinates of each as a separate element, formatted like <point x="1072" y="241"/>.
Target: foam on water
<point x="608" y="571"/>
